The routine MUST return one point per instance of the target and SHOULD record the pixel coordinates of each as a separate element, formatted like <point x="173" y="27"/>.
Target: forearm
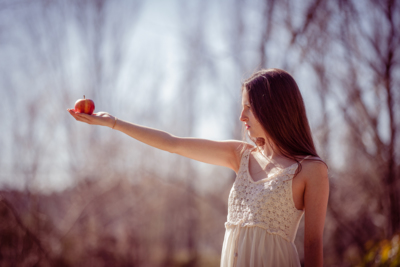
<point x="313" y="254"/>
<point x="153" y="137"/>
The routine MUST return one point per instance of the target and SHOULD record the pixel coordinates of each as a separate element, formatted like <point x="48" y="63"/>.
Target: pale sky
<point x="158" y="34"/>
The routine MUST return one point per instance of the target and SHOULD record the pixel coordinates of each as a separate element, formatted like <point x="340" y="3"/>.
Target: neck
<point x="270" y="151"/>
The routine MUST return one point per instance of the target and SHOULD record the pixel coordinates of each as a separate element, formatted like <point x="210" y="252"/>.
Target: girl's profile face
<point x="253" y="127"/>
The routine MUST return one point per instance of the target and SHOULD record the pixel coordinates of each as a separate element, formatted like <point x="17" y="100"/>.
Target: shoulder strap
<point x="317" y="159"/>
<point x="304" y="158"/>
<point x="245" y="157"/>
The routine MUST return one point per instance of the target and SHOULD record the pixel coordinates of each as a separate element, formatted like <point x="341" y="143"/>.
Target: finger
<point x="85" y="117"/>
<point x="72" y="112"/>
<point x="86" y="121"/>
<point x="77" y="116"/>
<point x="81" y="116"/>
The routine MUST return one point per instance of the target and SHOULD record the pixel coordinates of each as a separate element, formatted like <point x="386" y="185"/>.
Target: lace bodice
<point x="267" y="203"/>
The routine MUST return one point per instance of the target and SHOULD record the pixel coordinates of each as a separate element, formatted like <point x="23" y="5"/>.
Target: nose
<point x="243" y="116"/>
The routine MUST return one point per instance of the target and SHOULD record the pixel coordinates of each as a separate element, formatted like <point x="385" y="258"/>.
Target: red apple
<point x="84" y="106"/>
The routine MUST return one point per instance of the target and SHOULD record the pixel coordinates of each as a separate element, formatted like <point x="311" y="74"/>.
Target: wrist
<point x="114" y="123"/>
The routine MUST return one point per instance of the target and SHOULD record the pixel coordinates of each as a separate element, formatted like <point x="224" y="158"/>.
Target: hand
<point x="99" y="118"/>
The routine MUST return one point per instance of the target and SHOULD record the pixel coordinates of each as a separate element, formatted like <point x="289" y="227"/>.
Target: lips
<point x="247" y="126"/>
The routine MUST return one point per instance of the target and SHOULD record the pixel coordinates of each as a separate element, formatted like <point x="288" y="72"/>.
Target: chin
<point x="252" y="136"/>
<point x="256" y="137"/>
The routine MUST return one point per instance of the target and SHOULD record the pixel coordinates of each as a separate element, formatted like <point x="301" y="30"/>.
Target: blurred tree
<point x="353" y="50"/>
<point x="125" y="212"/>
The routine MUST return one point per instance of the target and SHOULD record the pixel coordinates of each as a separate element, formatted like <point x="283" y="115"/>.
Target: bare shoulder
<point x="238" y="146"/>
<point x="315" y="171"/>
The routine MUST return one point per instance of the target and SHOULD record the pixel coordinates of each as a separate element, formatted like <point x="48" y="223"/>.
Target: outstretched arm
<point x="222" y="153"/>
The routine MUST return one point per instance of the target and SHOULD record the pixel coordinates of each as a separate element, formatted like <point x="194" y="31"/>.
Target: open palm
<point x="99" y="118"/>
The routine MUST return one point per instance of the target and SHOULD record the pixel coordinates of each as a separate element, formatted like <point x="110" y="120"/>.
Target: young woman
<point x="278" y="179"/>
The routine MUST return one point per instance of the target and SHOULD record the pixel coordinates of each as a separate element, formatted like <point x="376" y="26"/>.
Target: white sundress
<point x="262" y="220"/>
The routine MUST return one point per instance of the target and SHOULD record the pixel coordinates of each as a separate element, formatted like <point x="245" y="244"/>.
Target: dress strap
<point x="245" y="156"/>
<point x="248" y="152"/>
<point x="304" y="158"/>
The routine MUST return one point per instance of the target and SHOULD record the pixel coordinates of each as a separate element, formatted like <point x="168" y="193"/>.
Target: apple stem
<point x="83" y="96"/>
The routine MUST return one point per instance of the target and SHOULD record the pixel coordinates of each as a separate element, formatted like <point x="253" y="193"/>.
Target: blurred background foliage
<point x="76" y="195"/>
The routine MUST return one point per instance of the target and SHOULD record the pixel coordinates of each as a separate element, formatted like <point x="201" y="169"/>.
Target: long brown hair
<point x="277" y="104"/>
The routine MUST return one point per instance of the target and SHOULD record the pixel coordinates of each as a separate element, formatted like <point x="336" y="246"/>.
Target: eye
<point x="247" y="107"/>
